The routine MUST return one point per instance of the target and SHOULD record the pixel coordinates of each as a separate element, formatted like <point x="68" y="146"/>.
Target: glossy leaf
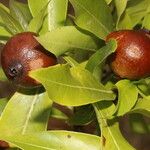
<point x="56" y="15"/>
<point x="56" y="140"/>
<point x="97" y="58"/>
<point x="60" y="40"/>
<point x="127" y="96"/>
<point x="20" y="12"/>
<point x="142" y="106"/>
<point x="71" y="86"/>
<point x="111" y="136"/>
<point x="94" y="16"/>
<point x="25" y="114"/>
<point x="11" y="23"/>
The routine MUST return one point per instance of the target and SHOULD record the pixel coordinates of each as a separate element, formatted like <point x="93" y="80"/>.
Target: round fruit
<point x="132" y="57"/>
<point x="21" y="54"/>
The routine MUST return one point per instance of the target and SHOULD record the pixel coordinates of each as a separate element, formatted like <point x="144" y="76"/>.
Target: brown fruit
<point x="132" y="57"/>
<point x="21" y="54"/>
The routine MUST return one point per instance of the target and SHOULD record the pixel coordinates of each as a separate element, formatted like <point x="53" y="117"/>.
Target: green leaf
<point x="108" y="1"/>
<point x="146" y="19"/>
<point x="71" y="86"/>
<point x="56" y="113"/>
<point x="2" y="75"/>
<point x="120" y="7"/>
<point x="134" y="13"/>
<point x="4" y="32"/>
<point x="97" y="58"/>
<point x="37" y="21"/>
<point x="56" y="140"/>
<point x="94" y="16"/>
<point x="25" y="114"/>
<point x="35" y="8"/>
<point x="138" y="124"/>
<point x="127" y="96"/>
<point x="142" y="106"/>
<point x="82" y="116"/>
<point x="3" y="102"/>
<point x="110" y="132"/>
<point x="59" y="41"/>
<point x="20" y="12"/>
<point x="11" y="23"/>
<point x="56" y="15"/>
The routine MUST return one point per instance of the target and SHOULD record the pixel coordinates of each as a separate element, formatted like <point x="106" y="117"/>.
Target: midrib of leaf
<point x="103" y="26"/>
<point x="79" y="87"/>
<point x="29" y="114"/>
<point x="101" y="117"/>
<point x="71" y="46"/>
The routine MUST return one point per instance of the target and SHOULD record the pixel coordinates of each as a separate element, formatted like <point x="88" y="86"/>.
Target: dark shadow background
<point x="139" y="141"/>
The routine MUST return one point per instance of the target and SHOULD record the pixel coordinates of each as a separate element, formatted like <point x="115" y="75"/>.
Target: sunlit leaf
<point x="66" y="39"/>
<point x="71" y="86"/>
<point x="94" y="16"/>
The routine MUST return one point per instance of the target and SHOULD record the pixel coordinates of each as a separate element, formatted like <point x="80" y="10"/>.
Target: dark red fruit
<point x="132" y="57"/>
<point x="21" y="54"/>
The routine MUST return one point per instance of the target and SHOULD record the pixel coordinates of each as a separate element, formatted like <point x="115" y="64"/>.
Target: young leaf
<point x="11" y="23"/>
<point x="94" y="16"/>
<point x="71" y="86"/>
<point x="127" y="96"/>
<point x="66" y="39"/>
<point x="56" y="15"/>
<point x="20" y="12"/>
<point x="56" y="140"/>
<point x="142" y="106"/>
<point x="25" y="114"/>
<point x="110" y="132"/>
<point x="97" y="58"/>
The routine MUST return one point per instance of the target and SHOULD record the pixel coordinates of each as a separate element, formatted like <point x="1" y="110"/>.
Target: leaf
<point x="37" y="21"/>
<point x="111" y="137"/>
<point x="97" y="58"/>
<point x="4" y="32"/>
<point x="120" y="8"/>
<point x="56" y="140"/>
<point x="56" y="15"/>
<point x="135" y="12"/>
<point x="108" y="1"/>
<point x="71" y="86"/>
<point x="146" y="19"/>
<point x="3" y="102"/>
<point x="56" y="113"/>
<point x="12" y="25"/>
<point x="127" y="96"/>
<point x="138" y="124"/>
<point x="82" y="116"/>
<point x="142" y="106"/>
<point x="35" y="8"/>
<point x="2" y="75"/>
<point x="94" y="16"/>
<point x="20" y="12"/>
<point x="25" y="114"/>
<point x="59" y="41"/>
